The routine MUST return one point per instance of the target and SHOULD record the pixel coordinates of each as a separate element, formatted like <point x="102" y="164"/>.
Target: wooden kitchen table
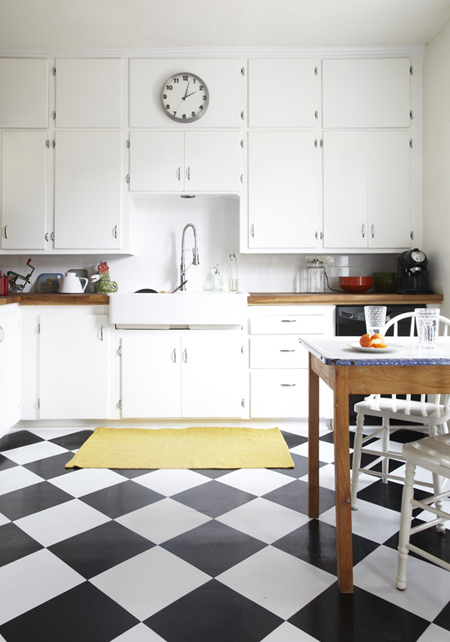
<point x="346" y="370"/>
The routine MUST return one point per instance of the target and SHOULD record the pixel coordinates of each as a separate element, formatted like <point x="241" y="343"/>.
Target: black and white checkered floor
<point x="200" y="555"/>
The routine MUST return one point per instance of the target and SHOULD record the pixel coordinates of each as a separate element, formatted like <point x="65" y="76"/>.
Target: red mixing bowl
<point x="355" y="284"/>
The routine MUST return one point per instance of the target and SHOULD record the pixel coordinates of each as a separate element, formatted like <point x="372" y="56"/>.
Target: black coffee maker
<point x="412" y="273"/>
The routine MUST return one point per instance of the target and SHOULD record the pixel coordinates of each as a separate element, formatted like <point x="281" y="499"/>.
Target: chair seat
<point x="415" y="411"/>
<point x="432" y="453"/>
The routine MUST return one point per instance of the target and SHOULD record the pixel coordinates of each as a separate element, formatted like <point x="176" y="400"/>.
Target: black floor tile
<point x="51" y="466"/>
<point x="73" y="440"/>
<point x="81" y="614"/>
<point x="334" y="617"/>
<point x="315" y="543"/>
<point x="213" y="613"/>
<point x="213" y="547"/>
<point x="292" y="439"/>
<point x="429" y="540"/>
<point x="213" y="473"/>
<point x="121" y="499"/>
<point x="405" y="436"/>
<point x="25" y="501"/>
<point x="295" y="496"/>
<point x="14" y="544"/>
<point x="6" y="463"/>
<point x="99" y="549"/>
<point x="387" y="495"/>
<point x="17" y="439"/>
<point x="443" y="619"/>
<point x="301" y="467"/>
<point x="213" y="498"/>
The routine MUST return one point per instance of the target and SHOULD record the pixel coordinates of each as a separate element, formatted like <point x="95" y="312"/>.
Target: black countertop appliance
<point x="412" y="272"/>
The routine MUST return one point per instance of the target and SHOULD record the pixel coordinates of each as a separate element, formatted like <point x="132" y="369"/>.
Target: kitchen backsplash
<point x="159" y="223"/>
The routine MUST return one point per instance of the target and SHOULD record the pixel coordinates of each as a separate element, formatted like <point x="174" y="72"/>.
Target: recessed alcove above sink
<point x="182" y="310"/>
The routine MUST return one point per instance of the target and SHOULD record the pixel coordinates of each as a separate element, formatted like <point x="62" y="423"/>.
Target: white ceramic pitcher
<point x="72" y="284"/>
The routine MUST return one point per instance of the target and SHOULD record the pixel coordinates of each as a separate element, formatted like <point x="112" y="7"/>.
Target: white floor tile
<point x="139" y="633"/>
<point x="288" y="633"/>
<point x="326" y="451"/>
<point x="54" y="433"/>
<point x="16" y="478"/>
<point x="34" y="452"/>
<point x="3" y="519"/>
<point x="370" y="520"/>
<point x="435" y="633"/>
<point x="277" y="581"/>
<point x="257" y="481"/>
<point x="171" y="482"/>
<point x="87" y="480"/>
<point x="149" y="582"/>
<point x="36" y="578"/>
<point x="265" y="520"/>
<point x="163" y="520"/>
<point x="427" y="587"/>
<point x="61" y="522"/>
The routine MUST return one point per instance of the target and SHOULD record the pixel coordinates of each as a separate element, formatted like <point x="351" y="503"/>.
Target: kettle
<point x="71" y="284"/>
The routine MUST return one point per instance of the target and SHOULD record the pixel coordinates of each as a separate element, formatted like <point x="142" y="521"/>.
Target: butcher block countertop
<point x="255" y="298"/>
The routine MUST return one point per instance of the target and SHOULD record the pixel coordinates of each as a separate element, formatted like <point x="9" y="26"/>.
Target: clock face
<point x="184" y="97"/>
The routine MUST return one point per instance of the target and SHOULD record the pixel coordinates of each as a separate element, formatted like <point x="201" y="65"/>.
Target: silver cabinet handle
<point x="174" y="355"/>
<point x="252" y="231"/>
<point x="188" y="173"/>
<point x="101" y="333"/>
<point x="288" y="320"/>
<point x="52" y="236"/>
<point x="5" y="232"/>
<point x="179" y="173"/>
<point x="115" y="231"/>
<point x="288" y="385"/>
<point x="363" y="231"/>
<point x="46" y="236"/>
<point x="287" y="350"/>
<point x="2" y="334"/>
<point x="373" y="230"/>
<point x="185" y="355"/>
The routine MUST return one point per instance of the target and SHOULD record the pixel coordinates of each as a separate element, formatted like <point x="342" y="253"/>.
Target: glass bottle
<point x="216" y="280"/>
<point x="316" y="276"/>
<point x="233" y="274"/>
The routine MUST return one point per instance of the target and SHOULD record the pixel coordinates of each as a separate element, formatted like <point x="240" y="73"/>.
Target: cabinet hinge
<point x="411" y="70"/>
<point x="39" y="328"/>
<point x="316" y="71"/>
<point x="119" y="351"/>
<point x="54" y="71"/>
<point x="53" y="143"/>
<point x="411" y="144"/>
<point x="47" y="143"/>
<point x="316" y="114"/>
<point x="412" y="235"/>
<point x="120" y="404"/>
<point x="128" y="144"/>
<point x="127" y="178"/>
<point x="39" y="404"/>
<point x="411" y="114"/>
<point x="54" y="115"/>
<point x="242" y="115"/>
<point x="243" y="403"/>
<point x="243" y="71"/>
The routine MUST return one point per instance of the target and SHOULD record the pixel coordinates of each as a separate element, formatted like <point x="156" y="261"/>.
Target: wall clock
<point x="184" y="97"/>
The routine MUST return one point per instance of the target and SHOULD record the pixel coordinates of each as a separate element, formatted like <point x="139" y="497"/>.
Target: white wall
<point x="436" y="161"/>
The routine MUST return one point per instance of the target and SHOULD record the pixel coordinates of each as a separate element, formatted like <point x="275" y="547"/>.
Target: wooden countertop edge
<point x="35" y="298"/>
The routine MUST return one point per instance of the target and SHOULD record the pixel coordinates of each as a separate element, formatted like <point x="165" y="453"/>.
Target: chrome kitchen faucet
<point x="195" y="257"/>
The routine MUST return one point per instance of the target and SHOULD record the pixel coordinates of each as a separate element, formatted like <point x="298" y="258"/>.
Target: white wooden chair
<point x="426" y="416"/>
<point x="432" y="453"/>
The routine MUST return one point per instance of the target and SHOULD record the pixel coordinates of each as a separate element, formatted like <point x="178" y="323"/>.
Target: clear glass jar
<point x="316" y="276"/>
<point x="233" y="275"/>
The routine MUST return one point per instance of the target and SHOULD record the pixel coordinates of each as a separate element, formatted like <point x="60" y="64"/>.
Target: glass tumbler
<point x="427" y="321"/>
<point x="375" y="318"/>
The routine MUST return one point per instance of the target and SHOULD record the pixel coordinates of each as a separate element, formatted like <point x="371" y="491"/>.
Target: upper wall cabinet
<point x="282" y="93"/>
<point x="23" y="92"/>
<point x="366" y="93"/>
<point x="223" y="79"/>
<point x="89" y="93"/>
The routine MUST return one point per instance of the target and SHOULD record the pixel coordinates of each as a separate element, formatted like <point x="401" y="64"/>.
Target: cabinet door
<point x="279" y="393"/>
<point x="23" y="92"/>
<point x="89" y="92"/>
<point x="366" y="92"/>
<point x="88" y="187"/>
<point x="345" y="189"/>
<point x="156" y="161"/>
<point x="213" y="374"/>
<point x="389" y="188"/>
<point x="281" y="93"/>
<point x="151" y="375"/>
<point x="282" y="190"/>
<point x="74" y="357"/>
<point x="9" y="369"/>
<point x="24" y="190"/>
<point x="213" y="161"/>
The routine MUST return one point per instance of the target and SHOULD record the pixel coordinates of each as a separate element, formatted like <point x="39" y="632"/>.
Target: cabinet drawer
<point x="278" y="393"/>
<point x="288" y="324"/>
<point x="277" y="352"/>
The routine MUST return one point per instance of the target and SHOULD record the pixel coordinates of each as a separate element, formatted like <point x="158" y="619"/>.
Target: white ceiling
<point x="148" y="24"/>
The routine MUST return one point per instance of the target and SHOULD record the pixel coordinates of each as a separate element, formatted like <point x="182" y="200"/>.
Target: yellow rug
<point x="201" y="447"/>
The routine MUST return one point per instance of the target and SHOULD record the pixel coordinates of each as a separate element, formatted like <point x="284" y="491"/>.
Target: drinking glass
<point x="375" y="318"/>
<point x="427" y="321"/>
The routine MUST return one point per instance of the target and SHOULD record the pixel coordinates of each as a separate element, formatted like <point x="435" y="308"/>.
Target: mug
<point x="4" y="285"/>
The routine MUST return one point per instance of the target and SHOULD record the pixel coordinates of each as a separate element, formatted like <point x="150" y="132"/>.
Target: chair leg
<point x="357" y="458"/>
<point x="405" y="526"/>
<point x="437" y="481"/>
<point x="385" y="445"/>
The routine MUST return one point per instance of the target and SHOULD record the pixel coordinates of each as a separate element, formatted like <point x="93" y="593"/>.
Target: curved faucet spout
<point x="195" y="255"/>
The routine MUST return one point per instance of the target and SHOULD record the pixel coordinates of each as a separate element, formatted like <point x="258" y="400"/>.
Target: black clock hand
<point x="186" y="92"/>
<point x="191" y="94"/>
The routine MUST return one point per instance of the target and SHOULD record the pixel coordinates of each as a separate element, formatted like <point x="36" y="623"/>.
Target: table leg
<point x="342" y="482"/>
<point x="313" y="443"/>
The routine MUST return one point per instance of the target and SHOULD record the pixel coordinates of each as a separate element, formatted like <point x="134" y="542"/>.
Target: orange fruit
<point x="377" y="337"/>
<point x="364" y="342"/>
<point x="379" y="345"/>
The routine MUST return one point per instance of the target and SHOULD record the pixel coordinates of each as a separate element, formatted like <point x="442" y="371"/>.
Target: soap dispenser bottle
<point x="216" y="280"/>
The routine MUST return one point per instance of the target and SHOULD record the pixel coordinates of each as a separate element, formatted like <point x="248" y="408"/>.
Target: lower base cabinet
<point x="9" y="368"/>
<point x="182" y="374"/>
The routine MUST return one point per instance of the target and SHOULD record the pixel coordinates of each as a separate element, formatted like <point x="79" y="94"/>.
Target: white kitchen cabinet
<point x="24" y="92"/>
<point x="88" y="190"/>
<point x="73" y="366"/>
<point x="363" y="93"/>
<point x="89" y="92"/>
<point x="279" y="364"/>
<point x="24" y="190"/>
<point x="366" y="189"/>
<point x="182" y="374"/>
<point x="282" y="93"/>
<point x="9" y="366"/>
<point x="185" y="161"/>
<point x="283" y="181"/>
<point x="223" y="78"/>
